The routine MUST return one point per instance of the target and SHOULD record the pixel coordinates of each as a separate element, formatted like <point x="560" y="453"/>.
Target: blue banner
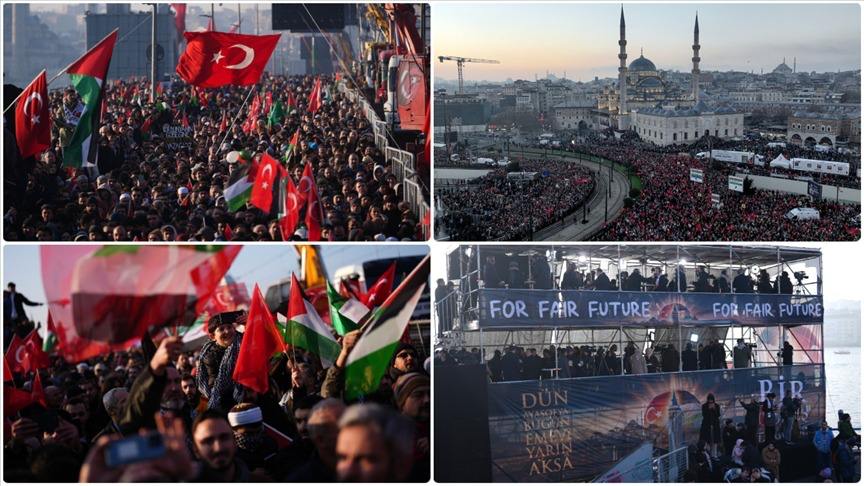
<point x="577" y="429"/>
<point x="509" y="308"/>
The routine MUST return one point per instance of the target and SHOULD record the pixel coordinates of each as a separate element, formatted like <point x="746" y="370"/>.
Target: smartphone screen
<point x="135" y="449"/>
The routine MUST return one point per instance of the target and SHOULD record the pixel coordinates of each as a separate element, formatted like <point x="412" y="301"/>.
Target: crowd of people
<point x="671" y="207"/>
<point x="499" y="207"/>
<point x="750" y="451"/>
<point x="163" y="167"/>
<point x="165" y="413"/>
<point x="517" y="363"/>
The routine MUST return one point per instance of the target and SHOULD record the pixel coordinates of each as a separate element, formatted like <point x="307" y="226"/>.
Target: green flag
<point x="344" y="313"/>
<point x="276" y="115"/>
<point x="87" y="75"/>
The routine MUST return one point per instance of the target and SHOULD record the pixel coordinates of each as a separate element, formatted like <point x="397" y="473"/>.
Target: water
<point x="843" y="375"/>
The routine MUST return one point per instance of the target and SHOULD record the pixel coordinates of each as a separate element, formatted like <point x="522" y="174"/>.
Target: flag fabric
<point x="179" y="17"/>
<point x="379" y="292"/>
<point x="224" y="124"/>
<point x="37" y="393"/>
<point x="7" y="370"/>
<point x="27" y="354"/>
<point x="261" y="340"/>
<point x="240" y="184"/>
<point x="118" y="292"/>
<point x="276" y="114"/>
<point x="294" y="143"/>
<point x="371" y="356"/>
<point x="351" y="288"/>
<point x="314" y="214"/>
<point x="305" y="329"/>
<point x="345" y="313"/>
<point x="210" y="26"/>
<point x="88" y="75"/>
<point x="229" y="296"/>
<point x="33" y="119"/>
<point x="289" y="207"/>
<point x="262" y="190"/>
<point x="215" y="59"/>
<point x="314" y="102"/>
<point x="50" y="344"/>
<point x="15" y="399"/>
<point x="252" y="118"/>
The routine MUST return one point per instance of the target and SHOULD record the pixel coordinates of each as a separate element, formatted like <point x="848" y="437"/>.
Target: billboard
<point x="814" y="190"/>
<point x="577" y="429"/>
<point x="736" y="183"/>
<point x="509" y="308"/>
<point x="411" y="93"/>
<point x="696" y="175"/>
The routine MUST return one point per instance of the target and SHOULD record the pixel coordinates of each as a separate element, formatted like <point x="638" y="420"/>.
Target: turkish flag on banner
<point x="262" y="191"/>
<point x="214" y="59"/>
<point x="32" y="119"/>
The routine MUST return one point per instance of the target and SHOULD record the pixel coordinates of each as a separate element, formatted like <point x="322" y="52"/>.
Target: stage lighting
<point x="694" y="338"/>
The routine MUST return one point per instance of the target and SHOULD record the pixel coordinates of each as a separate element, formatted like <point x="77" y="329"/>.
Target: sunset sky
<point x="583" y="39"/>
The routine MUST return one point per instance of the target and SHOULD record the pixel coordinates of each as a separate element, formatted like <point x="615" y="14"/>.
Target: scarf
<point x="224" y="382"/>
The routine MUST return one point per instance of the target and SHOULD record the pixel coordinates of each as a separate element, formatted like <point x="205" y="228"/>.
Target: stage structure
<point x="582" y="417"/>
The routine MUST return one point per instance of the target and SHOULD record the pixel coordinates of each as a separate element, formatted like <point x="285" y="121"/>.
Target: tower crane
<point x="460" y="62"/>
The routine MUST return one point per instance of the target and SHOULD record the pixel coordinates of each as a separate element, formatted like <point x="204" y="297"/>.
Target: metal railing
<point x="670" y="467"/>
<point x="402" y="163"/>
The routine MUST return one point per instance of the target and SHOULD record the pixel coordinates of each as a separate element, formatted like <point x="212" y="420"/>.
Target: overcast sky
<point x="582" y="39"/>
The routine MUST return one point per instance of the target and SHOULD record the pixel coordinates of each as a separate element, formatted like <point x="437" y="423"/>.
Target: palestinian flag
<point x="118" y="292"/>
<point x="240" y="184"/>
<point x="305" y="329"/>
<point x="50" y="343"/>
<point x="88" y="75"/>
<point x="344" y="313"/>
<point x="370" y="358"/>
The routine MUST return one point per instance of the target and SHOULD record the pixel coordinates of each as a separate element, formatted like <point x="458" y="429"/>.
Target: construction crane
<point x="460" y="62"/>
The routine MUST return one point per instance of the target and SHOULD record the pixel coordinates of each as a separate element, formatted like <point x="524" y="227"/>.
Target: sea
<point x="843" y="376"/>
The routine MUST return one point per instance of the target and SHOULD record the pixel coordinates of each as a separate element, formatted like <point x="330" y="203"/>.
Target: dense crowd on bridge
<point x="164" y="168"/>
<point x="499" y="207"/>
<point x="209" y="428"/>
<point x="672" y="208"/>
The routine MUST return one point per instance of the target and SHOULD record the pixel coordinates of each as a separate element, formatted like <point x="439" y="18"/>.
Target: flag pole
<point x="62" y="71"/>
<point x="234" y="120"/>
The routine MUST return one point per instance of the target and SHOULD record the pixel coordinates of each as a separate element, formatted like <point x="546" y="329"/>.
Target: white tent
<point x="781" y="161"/>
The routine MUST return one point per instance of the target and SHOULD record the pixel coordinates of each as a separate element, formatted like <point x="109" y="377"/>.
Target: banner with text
<point x="500" y="308"/>
<point x="577" y="429"/>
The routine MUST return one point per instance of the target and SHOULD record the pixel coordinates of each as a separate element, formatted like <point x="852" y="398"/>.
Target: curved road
<point x="571" y="228"/>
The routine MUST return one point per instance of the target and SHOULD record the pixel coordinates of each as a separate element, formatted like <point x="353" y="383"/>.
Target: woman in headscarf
<point x="217" y="360"/>
<point x="710" y="429"/>
<point x="738" y="452"/>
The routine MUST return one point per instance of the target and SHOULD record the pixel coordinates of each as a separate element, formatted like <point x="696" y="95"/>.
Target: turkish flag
<point x="314" y="102"/>
<point x="307" y="182"/>
<point x="314" y="213"/>
<point x="382" y="288"/>
<point x="262" y="191"/>
<point x="291" y="203"/>
<point x="27" y="355"/>
<point x="260" y="341"/>
<point x="32" y="119"/>
<point x="179" y="17"/>
<point x="214" y="59"/>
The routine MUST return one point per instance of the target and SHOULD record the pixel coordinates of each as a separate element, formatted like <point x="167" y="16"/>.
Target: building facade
<point x="684" y="126"/>
<point x="807" y="128"/>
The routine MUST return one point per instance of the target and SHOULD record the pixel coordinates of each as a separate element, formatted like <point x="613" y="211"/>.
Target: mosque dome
<point x="783" y="68"/>
<point x="642" y="63"/>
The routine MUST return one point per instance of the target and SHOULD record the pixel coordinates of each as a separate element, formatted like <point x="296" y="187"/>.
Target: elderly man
<point x="323" y="430"/>
<point x="374" y="445"/>
<point x="114" y="402"/>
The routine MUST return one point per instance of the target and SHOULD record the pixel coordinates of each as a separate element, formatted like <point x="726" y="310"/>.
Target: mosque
<point x="658" y="110"/>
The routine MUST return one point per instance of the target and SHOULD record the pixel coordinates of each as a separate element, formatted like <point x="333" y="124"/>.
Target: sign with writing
<point x="177" y="137"/>
<point x="579" y="428"/>
<point x="513" y="308"/>
<point x="736" y="183"/>
<point x="715" y="200"/>
<point x="814" y="190"/>
<point x="696" y="175"/>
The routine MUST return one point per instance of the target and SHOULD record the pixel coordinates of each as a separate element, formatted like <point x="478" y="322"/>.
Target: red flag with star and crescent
<point x="262" y="190"/>
<point x="215" y="59"/>
<point x="32" y="119"/>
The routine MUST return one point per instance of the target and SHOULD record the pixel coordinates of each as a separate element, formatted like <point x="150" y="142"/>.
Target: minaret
<point x="794" y="64"/>
<point x="622" y="74"/>
<point x="695" y="73"/>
